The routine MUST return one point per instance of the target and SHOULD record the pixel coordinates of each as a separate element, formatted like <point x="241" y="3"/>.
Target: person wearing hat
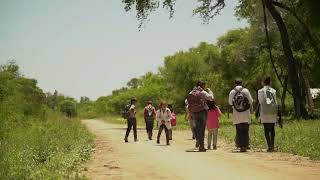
<point x="197" y="105"/>
<point x="132" y="121"/>
<point x="241" y="101"/>
<point x="149" y="114"/>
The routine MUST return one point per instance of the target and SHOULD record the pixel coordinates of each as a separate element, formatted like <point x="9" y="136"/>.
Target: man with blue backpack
<point x="268" y="111"/>
<point x="241" y="101"/>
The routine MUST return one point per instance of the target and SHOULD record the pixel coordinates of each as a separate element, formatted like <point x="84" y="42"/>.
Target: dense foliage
<point x="289" y="19"/>
<point x="36" y="140"/>
<point x="281" y="41"/>
<point x="238" y="53"/>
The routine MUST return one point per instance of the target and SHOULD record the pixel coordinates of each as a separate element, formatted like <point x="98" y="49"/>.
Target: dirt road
<point x="114" y="159"/>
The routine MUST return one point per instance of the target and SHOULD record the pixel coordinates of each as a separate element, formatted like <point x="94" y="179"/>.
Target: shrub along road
<point x="114" y="159"/>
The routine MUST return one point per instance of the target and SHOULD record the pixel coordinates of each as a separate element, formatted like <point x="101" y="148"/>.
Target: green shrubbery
<point x="36" y="140"/>
<point x="50" y="149"/>
<point x="68" y="108"/>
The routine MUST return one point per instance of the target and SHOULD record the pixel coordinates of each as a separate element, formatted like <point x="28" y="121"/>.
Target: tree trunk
<point x="269" y="43"/>
<point x="304" y="112"/>
<point x="292" y="69"/>
<point x="283" y="96"/>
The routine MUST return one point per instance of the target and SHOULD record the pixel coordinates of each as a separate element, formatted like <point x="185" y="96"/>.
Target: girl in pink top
<point x="213" y="124"/>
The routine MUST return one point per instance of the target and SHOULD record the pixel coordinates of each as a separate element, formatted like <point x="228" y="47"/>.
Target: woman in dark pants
<point x="268" y="111"/>
<point x="149" y="113"/>
<point x="132" y="121"/>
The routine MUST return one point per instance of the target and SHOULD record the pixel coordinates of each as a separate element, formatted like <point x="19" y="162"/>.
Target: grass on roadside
<point x="296" y="137"/>
<point x="51" y="149"/>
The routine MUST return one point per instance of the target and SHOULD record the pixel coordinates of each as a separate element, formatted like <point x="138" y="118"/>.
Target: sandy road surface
<point x="114" y="159"/>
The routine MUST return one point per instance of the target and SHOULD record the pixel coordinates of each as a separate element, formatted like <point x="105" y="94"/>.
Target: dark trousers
<point x="200" y="119"/>
<point x="170" y="134"/>
<point x="166" y="130"/>
<point x="243" y="134"/>
<point x="237" y="139"/>
<point x="269" y="133"/>
<point x="149" y="128"/>
<point x="132" y="122"/>
<point x="194" y="133"/>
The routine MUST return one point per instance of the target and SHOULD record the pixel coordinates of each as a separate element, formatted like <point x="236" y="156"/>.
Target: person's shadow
<point x="161" y="145"/>
<point x="193" y="150"/>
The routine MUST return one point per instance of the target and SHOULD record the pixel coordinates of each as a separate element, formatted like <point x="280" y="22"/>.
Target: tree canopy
<point x="292" y="60"/>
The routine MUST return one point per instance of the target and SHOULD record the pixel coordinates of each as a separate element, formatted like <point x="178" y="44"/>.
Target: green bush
<point x="68" y="107"/>
<point x="50" y="149"/>
<point x="37" y="141"/>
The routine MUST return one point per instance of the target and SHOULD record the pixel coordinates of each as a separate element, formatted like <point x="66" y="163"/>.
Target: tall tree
<point x="208" y="9"/>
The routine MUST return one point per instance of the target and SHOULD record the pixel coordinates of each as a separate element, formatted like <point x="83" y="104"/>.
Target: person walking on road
<point x="268" y="111"/>
<point x="149" y="114"/>
<point x="188" y="117"/>
<point x="173" y="120"/>
<point x="163" y="117"/>
<point x="241" y="101"/>
<point x="132" y="121"/>
<point x="197" y="105"/>
<point x="213" y="124"/>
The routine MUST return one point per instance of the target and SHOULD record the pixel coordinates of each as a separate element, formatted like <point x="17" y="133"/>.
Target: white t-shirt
<point x="266" y="118"/>
<point x="240" y="117"/>
<point x="164" y="115"/>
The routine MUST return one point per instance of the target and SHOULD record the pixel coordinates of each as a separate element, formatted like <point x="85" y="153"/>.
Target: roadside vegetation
<point x="39" y="136"/>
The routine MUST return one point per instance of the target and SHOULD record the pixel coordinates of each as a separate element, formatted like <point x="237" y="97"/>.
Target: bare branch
<point x="208" y="9"/>
<point x="269" y="45"/>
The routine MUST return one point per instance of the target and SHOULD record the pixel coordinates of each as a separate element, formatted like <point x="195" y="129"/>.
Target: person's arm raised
<point x="208" y="95"/>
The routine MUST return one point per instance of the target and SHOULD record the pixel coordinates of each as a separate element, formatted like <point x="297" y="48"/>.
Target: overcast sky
<point x="91" y="47"/>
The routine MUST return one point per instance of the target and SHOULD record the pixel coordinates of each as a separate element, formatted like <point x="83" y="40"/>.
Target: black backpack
<point x="240" y="101"/>
<point x="125" y="111"/>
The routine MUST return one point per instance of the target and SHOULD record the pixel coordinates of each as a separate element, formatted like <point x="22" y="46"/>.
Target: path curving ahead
<point x="114" y="159"/>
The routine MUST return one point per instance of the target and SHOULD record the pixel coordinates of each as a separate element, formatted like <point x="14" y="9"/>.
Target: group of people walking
<point x="164" y="116"/>
<point x="202" y="112"/>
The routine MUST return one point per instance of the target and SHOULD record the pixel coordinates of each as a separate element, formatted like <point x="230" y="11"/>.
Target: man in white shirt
<point x="241" y="117"/>
<point x="268" y="111"/>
